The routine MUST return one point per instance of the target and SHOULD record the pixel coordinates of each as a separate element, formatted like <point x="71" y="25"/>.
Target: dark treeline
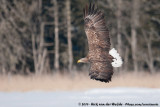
<point x="42" y="36"/>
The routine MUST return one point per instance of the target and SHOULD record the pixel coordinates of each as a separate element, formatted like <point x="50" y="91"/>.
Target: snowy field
<point x="111" y="97"/>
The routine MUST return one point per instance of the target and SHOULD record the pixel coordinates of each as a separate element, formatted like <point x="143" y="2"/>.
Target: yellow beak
<point x="78" y="61"/>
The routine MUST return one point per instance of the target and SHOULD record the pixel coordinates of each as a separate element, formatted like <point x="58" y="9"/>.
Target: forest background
<point x="47" y="36"/>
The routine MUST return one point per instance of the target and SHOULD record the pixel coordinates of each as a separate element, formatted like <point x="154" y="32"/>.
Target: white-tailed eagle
<point x="99" y="56"/>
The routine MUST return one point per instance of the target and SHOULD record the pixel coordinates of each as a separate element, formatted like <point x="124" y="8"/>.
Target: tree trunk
<point x="119" y="38"/>
<point x="70" y="58"/>
<point x="34" y="53"/>
<point x="126" y="59"/>
<point x="134" y="24"/>
<point x="41" y="52"/>
<point x="119" y="25"/>
<point x="56" y="60"/>
<point x="151" y="66"/>
<point x="149" y="59"/>
<point x="134" y="48"/>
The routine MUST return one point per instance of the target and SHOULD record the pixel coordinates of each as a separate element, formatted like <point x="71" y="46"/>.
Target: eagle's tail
<point x="117" y="60"/>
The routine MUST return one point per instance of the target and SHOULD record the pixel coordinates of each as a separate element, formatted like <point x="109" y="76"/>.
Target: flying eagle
<point x="99" y="56"/>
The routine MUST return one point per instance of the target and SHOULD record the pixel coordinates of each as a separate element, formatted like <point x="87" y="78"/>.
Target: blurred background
<point x="41" y="41"/>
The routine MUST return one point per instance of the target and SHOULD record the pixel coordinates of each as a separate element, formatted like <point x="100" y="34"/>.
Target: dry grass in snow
<point x="81" y="81"/>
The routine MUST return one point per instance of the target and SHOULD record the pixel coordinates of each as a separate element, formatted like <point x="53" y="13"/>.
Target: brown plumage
<point x="99" y="45"/>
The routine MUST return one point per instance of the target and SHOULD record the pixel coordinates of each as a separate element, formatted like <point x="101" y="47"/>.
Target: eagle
<point x="101" y="58"/>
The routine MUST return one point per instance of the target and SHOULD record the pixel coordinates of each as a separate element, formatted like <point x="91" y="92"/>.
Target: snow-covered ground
<point x="110" y="97"/>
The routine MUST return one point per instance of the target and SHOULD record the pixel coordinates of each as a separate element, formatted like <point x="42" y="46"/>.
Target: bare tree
<point x="134" y="24"/>
<point x="119" y="25"/>
<point x="24" y="22"/>
<point x="56" y="61"/>
<point x="39" y="52"/>
<point x="150" y="56"/>
<point x="70" y="58"/>
<point x="149" y="60"/>
<point x="14" y="29"/>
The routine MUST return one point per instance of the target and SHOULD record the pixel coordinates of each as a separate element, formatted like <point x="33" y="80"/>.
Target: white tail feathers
<point x="117" y="61"/>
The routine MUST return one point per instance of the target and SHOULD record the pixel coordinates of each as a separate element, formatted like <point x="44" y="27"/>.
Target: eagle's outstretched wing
<point x="99" y="44"/>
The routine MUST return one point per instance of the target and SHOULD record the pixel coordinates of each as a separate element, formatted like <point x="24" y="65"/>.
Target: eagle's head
<point x="83" y="60"/>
